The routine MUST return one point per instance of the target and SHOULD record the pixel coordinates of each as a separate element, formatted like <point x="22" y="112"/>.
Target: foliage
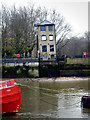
<point x="19" y="33"/>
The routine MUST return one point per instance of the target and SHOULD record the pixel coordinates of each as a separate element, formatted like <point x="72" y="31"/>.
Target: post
<point x="39" y="62"/>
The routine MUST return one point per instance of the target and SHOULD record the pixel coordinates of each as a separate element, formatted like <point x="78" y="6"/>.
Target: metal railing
<point x="20" y="60"/>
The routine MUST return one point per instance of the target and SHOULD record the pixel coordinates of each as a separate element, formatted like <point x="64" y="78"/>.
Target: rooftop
<point x="45" y="22"/>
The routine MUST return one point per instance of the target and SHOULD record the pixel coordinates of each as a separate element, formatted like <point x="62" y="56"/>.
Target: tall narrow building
<point x="46" y="40"/>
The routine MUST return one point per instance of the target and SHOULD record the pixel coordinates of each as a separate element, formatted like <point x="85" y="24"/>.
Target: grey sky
<point x="75" y="13"/>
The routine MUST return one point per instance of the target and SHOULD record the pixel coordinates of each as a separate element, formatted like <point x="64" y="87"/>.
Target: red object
<point x="18" y="55"/>
<point x="10" y="96"/>
<point x="84" y="53"/>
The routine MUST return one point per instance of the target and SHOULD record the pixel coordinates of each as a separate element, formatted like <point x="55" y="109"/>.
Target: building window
<point x="44" y="48"/>
<point x="43" y="38"/>
<point x="51" y="37"/>
<point x="50" y="28"/>
<point x="43" y="28"/>
<point x="51" y="48"/>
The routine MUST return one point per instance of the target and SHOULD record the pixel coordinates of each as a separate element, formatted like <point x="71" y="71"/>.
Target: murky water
<point x="53" y="100"/>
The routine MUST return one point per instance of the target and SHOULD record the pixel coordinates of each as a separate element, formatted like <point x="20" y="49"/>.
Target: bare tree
<point x="62" y="30"/>
<point x="87" y="36"/>
<point x="19" y="33"/>
<point x="75" y="47"/>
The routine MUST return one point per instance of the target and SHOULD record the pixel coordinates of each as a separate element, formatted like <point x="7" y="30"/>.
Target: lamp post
<point x="39" y="61"/>
<point x="38" y="48"/>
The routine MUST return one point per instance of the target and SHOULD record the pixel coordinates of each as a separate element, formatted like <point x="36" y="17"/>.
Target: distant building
<point x="46" y="40"/>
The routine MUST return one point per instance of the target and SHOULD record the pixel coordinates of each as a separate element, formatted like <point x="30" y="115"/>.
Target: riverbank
<point x="46" y="70"/>
<point x="58" y="79"/>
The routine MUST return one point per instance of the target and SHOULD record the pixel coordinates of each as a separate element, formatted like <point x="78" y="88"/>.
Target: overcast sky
<point x="75" y="13"/>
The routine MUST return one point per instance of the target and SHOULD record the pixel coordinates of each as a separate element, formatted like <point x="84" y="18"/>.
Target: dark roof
<point x="45" y="22"/>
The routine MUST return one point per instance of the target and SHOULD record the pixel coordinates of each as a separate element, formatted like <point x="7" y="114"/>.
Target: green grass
<point x="84" y="61"/>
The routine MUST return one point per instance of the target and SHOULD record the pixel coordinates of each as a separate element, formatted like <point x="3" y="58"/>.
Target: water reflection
<point x="38" y="102"/>
<point x="53" y="99"/>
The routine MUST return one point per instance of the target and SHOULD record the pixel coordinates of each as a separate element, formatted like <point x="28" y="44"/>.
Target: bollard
<point x="85" y="102"/>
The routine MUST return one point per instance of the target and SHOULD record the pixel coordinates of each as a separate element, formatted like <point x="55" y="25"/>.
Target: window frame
<point x="43" y="48"/>
<point x="50" y="28"/>
<point x="42" y="37"/>
<point x="42" y="28"/>
<point x="51" y="49"/>
<point x="51" y="39"/>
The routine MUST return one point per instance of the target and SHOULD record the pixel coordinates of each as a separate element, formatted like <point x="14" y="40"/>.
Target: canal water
<point x="57" y="99"/>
